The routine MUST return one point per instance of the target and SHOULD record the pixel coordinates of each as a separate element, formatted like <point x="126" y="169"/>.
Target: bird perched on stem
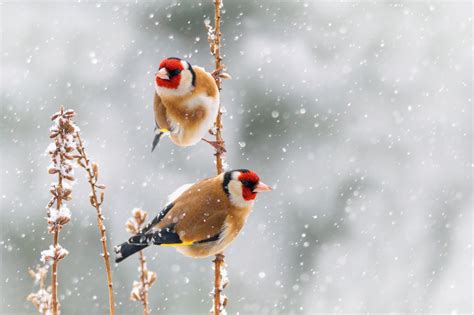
<point x="200" y="219"/>
<point x="186" y="103"/>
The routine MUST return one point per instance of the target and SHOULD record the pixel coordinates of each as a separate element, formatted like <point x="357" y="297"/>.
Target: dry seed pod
<point x="100" y="186"/>
<point x="225" y="76"/>
<point x="69" y="177"/>
<point x="95" y="170"/>
<point x="51" y="202"/>
<point x="151" y="277"/>
<point x="131" y="228"/>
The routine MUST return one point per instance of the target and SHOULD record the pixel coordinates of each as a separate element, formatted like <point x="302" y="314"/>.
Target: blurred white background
<point x="360" y="113"/>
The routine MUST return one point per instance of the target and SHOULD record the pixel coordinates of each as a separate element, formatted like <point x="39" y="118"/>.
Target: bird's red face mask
<point x="169" y="73"/>
<point x="251" y="185"/>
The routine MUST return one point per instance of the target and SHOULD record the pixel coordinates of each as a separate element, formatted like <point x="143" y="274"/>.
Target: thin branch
<point x="145" y="285"/>
<point x="41" y="299"/>
<point x="147" y="277"/>
<point x="92" y="170"/>
<point x="214" y="39"/>
<point x="62" y="132"/>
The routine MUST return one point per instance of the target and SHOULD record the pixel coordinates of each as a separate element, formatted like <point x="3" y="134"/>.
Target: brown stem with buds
<point x="54" y="275"/>
<point x="144" y="280"/>
<point x="218" y="263"/>
<point x="218" y="68"/>
<point x="146" y="277"/>
<point x="215" y="47"/>
<point x="56" y="227"/>
<point x="92" y="171"/>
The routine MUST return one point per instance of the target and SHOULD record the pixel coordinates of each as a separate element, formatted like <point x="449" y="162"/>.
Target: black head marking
<point x="225" y="183"/>
<point x="193" y="82"/>
<point x="228" y="178"/>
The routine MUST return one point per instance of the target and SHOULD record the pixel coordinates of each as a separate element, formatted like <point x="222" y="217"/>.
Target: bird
<point x="185" y="103"/>
<point x="200" y="219"/>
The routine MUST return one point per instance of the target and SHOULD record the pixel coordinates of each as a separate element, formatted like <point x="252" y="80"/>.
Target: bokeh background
<point x="359" y="113"/>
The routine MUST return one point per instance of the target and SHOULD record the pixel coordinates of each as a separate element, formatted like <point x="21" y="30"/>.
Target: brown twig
<point x="92" y="170"/>
<point x="60" y="150"/>
<point x="214" y="39"/>
<point x="144" y="282"/>
<point x="41" y="299"/>
<point x="147" y="277"/>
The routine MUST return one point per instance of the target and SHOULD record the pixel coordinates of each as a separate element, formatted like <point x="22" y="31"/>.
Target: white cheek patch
<point x="235" y="194"/>
<point x="185" y="85"/>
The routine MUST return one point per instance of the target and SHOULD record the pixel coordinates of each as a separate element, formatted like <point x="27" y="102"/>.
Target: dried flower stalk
<point x="147" y="277"/>
<point x="62" y="132"/>
<point x="214" y="39"/>
<point x="96" y="200"/>
<point x="41" y="299"/>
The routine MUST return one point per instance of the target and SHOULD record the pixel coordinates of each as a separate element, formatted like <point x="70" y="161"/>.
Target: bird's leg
<point x="218" y="145"/>
<point x="216" y="73"/>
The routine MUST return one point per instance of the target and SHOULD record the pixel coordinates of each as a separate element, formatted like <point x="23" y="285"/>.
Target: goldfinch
<point x="200" y="219"/>
<point x="186" y="103"/>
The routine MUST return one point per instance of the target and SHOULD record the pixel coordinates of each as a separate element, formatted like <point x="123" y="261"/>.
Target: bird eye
<point x="174" y="72"/>
<point x="247" y="183"/>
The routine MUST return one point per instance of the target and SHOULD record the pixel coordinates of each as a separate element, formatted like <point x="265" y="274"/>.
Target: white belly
<point x="185" y="137"/>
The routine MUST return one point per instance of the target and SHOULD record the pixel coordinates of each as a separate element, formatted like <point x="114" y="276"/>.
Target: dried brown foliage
<point x="96" y="199"/>
<point x="60" y="150"/>
<point x="214" y="39"/>
<point x="147" y="278"/>
<point x="40" y="299"/>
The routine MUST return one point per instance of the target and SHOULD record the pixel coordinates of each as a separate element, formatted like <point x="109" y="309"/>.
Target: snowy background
<point x="359" y="113"/>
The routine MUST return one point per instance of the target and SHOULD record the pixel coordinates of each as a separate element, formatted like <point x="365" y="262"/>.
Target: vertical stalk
<point x="54" y="281"/>
<point x="218" y="262"/>
<point x="218" y="66"/>
<point x="143" y="279"/>
<point x="54" y="273"/>
<point x="92" y="177"/>
<point x="216" y="51"/>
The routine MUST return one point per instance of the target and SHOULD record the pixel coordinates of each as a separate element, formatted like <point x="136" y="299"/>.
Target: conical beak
<point x="261" y="187"/>
<point x="163" y="74"/>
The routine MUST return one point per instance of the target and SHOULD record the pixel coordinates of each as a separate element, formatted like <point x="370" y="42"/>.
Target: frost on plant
<point x="140" y="288"/>
<point x="62" y="162"/>
<point x="61" y="151"/>
<point x="40" y="299"/>
<point x="224" y="280"/>
<point x="54" y="253"/>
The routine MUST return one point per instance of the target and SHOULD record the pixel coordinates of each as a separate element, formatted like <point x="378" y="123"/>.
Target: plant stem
<point x="218" y="262"/>
<point x="54" y="281"/>
<point x="91" y="177"/>
<point x="216" y="51"/>
<point x="218" y="59"/>
<point x="54" y="273"/>
<point x="144" y="283"/>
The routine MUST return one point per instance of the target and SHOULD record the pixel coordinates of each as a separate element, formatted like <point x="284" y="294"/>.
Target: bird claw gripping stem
<point x="218" y="145"/>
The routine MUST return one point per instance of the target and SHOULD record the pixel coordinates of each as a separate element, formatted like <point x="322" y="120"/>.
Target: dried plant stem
<point x="144" y="280"/>
<point x="41" y="299"/>
<point x="92" y="177"/>
<point x="54" y="275"/>
<point x="215" y="46"/>
<point x="146" y="277"/>
<point x="218" y="68"/>
<point x="54" y="272"/>
<point x="218" y="263"/>
<point x="56" y="228"/>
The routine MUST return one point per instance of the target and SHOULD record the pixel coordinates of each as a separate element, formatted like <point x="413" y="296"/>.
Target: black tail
<point x="156" y="140"/>
<point x="127" y="249"/>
